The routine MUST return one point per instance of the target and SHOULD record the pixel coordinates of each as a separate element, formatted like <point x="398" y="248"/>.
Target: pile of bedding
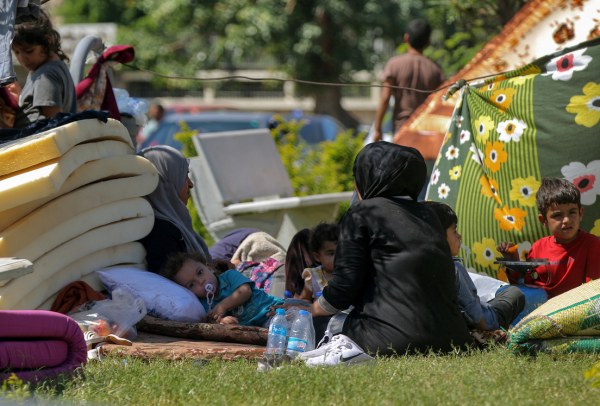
<point x="71" y="202"/>
<point x="564" y="324"/>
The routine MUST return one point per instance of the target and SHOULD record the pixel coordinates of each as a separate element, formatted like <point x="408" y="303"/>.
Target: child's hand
<point x="217" y="314"/>
<point x="228" y="320"/>
<point x="509" y="250"/>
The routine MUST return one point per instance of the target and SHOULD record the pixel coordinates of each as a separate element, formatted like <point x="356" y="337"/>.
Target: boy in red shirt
<point x="573" y="254"/>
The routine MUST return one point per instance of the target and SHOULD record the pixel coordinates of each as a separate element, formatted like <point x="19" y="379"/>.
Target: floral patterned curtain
<point x="507" y="133"/>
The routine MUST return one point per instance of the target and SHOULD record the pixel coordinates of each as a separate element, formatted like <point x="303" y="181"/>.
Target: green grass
<point x="494" y="376"/>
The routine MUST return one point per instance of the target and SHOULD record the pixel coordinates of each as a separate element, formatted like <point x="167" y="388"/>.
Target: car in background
<point x="316" y="128"/>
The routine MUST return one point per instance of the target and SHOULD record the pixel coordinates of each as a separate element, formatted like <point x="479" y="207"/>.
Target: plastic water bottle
<point x="277" y="338"/>
<point x="300" y="334"/>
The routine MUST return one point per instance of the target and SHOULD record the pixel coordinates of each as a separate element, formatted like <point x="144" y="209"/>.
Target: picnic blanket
<point x="566" y="323"/>
<point x="508" y="132"/>
<point x="177" y="340"/>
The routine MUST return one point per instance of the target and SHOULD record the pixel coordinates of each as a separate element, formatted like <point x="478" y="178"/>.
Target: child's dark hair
<point x="444" y="213"/>
<point x="322" y="233"/>
<point x="176" y="261"/>
<point x="298" y="258"/>
<point x="39" y="32"/>
<point x="418" y="32"/>
<point x="556" y="191"/>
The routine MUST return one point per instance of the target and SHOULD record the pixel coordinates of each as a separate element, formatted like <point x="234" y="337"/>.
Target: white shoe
<point x="341" y="350"/>
<point x="322" y="347"/>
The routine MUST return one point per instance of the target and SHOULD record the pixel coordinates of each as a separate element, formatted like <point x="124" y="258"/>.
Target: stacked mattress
<point x="71" y="202"/>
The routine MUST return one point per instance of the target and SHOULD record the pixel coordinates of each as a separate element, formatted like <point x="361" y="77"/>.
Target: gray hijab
<point x="172" y="169"/>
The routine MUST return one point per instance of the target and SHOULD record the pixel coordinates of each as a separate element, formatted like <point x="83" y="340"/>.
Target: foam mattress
<point x="121" y="166"/>
<point x="74" y="213"/>
<point x="85" y="268"/>
<point x="52" y="144"/>
<point x="53" y="262"/>
<point x="46" y="179"/>
<point x="47" y="240"/>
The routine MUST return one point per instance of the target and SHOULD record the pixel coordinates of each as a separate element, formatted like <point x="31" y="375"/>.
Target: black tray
<point x="521" y="266"/>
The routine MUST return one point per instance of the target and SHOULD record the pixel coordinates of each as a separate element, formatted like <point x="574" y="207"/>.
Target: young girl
<point x="297" y="259"/>
<point x="322" y="243"/>
<point x="49" y="88"/>
<point x="228" y="297"/>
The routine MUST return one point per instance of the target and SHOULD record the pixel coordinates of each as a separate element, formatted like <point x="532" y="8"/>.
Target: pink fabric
<point x="37" y="344"/>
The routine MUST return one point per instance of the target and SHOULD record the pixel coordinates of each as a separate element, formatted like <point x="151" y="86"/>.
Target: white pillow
<point x="163" y="298"/>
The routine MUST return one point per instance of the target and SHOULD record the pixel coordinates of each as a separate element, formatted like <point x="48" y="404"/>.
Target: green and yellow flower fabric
<point x="508" y="132"/>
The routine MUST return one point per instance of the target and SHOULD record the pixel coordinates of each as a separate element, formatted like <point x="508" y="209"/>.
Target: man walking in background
<point x="410" y="70"/>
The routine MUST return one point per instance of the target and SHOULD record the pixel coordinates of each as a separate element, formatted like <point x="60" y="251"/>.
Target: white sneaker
<point x="323" y="346"/>
<point x="341" y="350"/>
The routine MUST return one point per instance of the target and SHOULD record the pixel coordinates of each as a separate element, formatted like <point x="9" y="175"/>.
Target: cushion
<point x="567" y="323"/>
<point x="163" y="298"/>
<point x="38" y="344"/>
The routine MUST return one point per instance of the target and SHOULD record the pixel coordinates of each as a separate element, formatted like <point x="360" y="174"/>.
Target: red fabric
<point x="117" y="53"/>
<point x="75" y="294"/>
<point x="8" y="98"/>
<point x="38" y="344"/>
<point x="575" y="263"/>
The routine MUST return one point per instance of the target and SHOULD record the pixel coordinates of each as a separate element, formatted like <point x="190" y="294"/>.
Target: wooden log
<point x="229" y="333"/>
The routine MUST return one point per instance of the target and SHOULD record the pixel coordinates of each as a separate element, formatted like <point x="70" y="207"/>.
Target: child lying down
<point x="228" y="297"/>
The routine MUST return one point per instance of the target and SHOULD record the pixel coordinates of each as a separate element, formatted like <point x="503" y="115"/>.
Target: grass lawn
<point x="494" y="376"/>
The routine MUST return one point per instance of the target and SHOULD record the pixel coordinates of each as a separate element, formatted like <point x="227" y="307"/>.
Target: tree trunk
<point x="328" y="101"/>
<point x="205" y="331"/>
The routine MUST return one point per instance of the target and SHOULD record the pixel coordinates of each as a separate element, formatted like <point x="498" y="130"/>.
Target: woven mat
<point x="149" y="346"/>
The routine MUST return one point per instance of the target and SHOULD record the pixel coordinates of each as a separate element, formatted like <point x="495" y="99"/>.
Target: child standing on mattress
<point x="49" y="88"/>
<point x="500" y="311"/>
<point x="228" y="297"/>
<point x="573" y="254"/>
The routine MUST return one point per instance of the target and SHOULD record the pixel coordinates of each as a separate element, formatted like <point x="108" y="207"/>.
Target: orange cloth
<point x="73" y="295"/>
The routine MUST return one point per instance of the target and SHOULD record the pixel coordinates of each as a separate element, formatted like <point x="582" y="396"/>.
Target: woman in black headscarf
<point x="392" y="261"/>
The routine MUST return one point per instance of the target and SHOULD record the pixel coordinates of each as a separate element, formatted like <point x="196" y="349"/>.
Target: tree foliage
<point x="315" y="40"/>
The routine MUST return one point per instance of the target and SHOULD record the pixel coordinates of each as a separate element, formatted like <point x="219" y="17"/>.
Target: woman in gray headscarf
<point x="392" y="262"/>
<point x="172" y="231"/>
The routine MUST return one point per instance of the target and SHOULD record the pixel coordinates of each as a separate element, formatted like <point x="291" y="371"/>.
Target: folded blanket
<point x="566" y="323"/>
<point x="38" y="344"/>
<point x="258" y="247"/>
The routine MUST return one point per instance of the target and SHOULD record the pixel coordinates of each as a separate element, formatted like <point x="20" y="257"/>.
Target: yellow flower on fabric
<point x="596" y="229"/>
<point x="486" y="253"/>
<point x="529" y="73"/>
<point x="455" y="172"/>
<point x="502" y="98"/>
<point x="519" y="80"/>
<point x="510" y="219"/>
<point x="586" y="106"/>
<point x="483" y="126"/>
<point x="524" y="190"/>
<point x="495" y="155"/>
<point x="489" y="188"/>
